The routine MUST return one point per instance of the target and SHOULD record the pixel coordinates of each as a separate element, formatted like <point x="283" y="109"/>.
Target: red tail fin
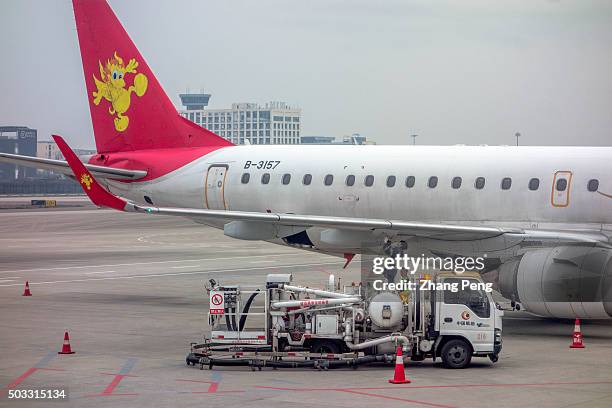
<point x="129" y="108"/>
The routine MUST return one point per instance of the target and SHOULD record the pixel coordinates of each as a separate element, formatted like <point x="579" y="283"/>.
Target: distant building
<point x="354" y="139"/>
<point x="318" y="139"/>
<point x="17" y="140"/>
<point x="272" y="123"/>
<point x="48" y="150"/>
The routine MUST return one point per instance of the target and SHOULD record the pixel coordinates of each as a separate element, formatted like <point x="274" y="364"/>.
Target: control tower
<point x="194" y="101"/>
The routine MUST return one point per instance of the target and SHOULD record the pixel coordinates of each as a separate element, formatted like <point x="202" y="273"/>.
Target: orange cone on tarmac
<point x="577" y="336"/>
<point x="27" y="292"/>
<point x="66" y="346"/>
<point x="399" y="377"/>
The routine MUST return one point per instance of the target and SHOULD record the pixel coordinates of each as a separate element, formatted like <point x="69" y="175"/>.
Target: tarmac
<point x="129" y="289"/>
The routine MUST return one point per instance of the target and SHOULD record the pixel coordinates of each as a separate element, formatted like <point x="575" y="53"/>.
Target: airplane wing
<point x="60" y="166"/>
<point x="103" y="198"/>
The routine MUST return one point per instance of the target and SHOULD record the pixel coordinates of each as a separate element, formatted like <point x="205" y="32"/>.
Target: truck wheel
<point x="456" y="353"/>
<point x="325" y="347"/>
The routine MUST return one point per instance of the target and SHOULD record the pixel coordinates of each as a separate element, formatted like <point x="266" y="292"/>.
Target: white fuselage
<point x="575" y="207"/>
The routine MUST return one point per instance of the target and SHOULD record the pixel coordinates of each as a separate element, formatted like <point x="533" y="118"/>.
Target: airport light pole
<point x="413" y="139"/>
<point x="517" y="134"/>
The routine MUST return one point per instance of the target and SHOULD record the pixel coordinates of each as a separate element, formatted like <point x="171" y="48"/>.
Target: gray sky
<point x="470" y="71"/>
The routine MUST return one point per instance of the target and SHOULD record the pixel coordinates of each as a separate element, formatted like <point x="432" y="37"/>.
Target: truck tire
<point x="324" y="347"/>
<point x="456" y="353"/>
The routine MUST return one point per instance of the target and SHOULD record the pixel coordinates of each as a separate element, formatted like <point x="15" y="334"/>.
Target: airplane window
<point x="245" y="178"/>
<point x="506" y="183"/>
<point x="479" y="183"/>
<point x="561" y="184"/>
<point x="390" y="181"/>
<point x="265" y="178"/>
<point x="593" y="185"/>
<point x="433" y="182"/>
<point x="369" y="180"/>
<point x="329" y="179"/>
<point x="456" y="183"/>
<point x="534" y="184"/>
<point x="307" y="179"/>
<point x="410" y="181"/>
<point x="350" y="180"/>
<point x="286" y="178"/>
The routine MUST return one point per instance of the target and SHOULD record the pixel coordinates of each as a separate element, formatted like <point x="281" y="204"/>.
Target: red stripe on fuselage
<point x="157" y="162"/>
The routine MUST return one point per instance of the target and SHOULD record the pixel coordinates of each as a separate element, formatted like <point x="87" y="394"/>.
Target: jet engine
<point x="561" y="282"/>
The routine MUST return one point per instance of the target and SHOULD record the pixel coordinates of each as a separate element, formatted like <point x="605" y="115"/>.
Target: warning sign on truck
<point x="217" y="302"/>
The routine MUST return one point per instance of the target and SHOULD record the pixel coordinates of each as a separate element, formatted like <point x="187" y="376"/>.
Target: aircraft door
<point x="560" y="194"/>
<point x="215" y="185"/>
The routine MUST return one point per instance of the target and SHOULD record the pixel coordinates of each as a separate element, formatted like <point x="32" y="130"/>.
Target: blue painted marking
<point x="216" y="376"/>
<point x="45" y="360"/>
<point x="129" y="364"/>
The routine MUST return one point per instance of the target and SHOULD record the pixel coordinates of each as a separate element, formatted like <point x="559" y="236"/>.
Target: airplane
<point x="542" y="215"/>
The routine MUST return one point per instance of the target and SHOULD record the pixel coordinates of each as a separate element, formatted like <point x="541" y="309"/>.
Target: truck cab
<point x="467" y="321"/>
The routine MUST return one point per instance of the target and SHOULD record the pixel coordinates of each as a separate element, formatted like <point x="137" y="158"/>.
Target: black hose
<point x="234" y="325"/>
<point x="227" y="320"/>
<point x="245" y="310"/>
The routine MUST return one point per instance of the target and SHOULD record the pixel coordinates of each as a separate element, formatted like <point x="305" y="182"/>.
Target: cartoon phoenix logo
<point x="86" y="181"/>
<point x="112" y="87"/>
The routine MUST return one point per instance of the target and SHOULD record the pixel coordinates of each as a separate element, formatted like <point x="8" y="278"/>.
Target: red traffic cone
<point x="399" y="377"/>
<point x="66" y="347"/>
<point x="577" y="336"/>
<point x="26" y="291"/>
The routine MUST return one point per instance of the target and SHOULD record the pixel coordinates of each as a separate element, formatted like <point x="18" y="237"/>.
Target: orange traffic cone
<point x="27" y="292"/>
<point x="66" y="347"/>
<point x="399" y="377"/>
<point x="577" y="336"/>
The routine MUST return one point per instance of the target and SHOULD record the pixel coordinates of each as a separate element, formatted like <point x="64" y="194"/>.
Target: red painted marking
<point x="549" y="384"/>
<point x="22" y="377"/>
<point x="429" y="404"/>
<point x="113" y="384"/>
<point x="108" y="391"/>
<point x="212" y="388"/>
<point x="216" y="392"/>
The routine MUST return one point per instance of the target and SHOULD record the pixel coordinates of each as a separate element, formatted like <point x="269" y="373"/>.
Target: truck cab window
<point x="476" y="300"/>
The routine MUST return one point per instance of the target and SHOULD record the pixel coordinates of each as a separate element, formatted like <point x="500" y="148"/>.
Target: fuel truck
<point x="284" y="324"/>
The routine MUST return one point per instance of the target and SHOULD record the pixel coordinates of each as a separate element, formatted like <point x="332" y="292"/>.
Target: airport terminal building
<point x="272" y="123"/>
<point x="17" y="140"/>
